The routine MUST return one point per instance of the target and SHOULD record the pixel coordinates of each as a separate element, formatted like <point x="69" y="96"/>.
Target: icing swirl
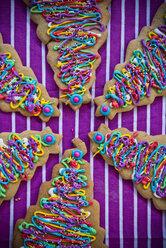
<point x="145" y="71"/>
<point x="63" y="223"/>
<point x="70" y="23"/>
<point x="19" y="154"/>
<point x="148" y="160"/>
<point x="21" y="91"/>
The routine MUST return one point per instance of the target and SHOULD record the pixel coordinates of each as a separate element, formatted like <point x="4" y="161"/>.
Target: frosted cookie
<point x="76" y="29"/>
<point x="20" y="90"/>
<point x="21" y="154"/>
<point x="142" y="76"/>
<point x="136" y="156"/>
<point x="66" y="215"/>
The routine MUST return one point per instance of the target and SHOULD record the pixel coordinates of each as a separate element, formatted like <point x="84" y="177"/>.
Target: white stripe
<point x="12" y="200"/>
<point x="135" y="119"/>
<point x="163" y="133"/>
<point x="108" y="49"/>
<point x="120" y="195"/>
<point x="13" y="130"/>
<point x="28" y="194"/>
<point x="11" y="222"/>
<point x="135" y="193"/>
<point x="119" y="120"/>
<point x="106" y="201"/>
<point x="106" y="122"/>
<point x="135" y="128"/>
<point x="12" y="22"/>
<point x="121" y="210"/>
<point x="136" y="18"/>
<point x="60" y="128"/>
<point x="28" y="118"/>
<point x="44" y="83"/>
<point x="43" y="72"/>
<point x="149" y="201"/>
<point x="135" y="219"/>
<point x="77" y="123"/>
<point x="148" y="13"/>
<point x="148" y="131"/>
<point x="122" y="30"/>
<point x="149" y="223"/>
<point x="163" y="114"/>
<point x="28" y="39"/>
<point x="148" y="120"/>
<point x="120" y="124"/>
<point x="43" y="65"/>
<point x="92" y="129"/>
<point x="28" y="52"/>
<point x="106" y="205"/>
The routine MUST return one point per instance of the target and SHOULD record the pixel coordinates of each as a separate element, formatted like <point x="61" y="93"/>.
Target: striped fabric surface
<point x="128" y="219"/>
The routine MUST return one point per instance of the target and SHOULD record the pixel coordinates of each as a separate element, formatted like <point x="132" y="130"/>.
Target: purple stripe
<point x="20" y="41"/>
<point x="113" y="174"/>
<point x="5" y="22"/>
<point x="156" y="128"/>
<point x="127" y="121"/>
<point x="99" y="195"/>
<point x="4" y="227"/>
<point x="156" y="227"/>
<point x="68" y="127"/>
<point x="142" y="221"/>
<point x="84" y="127"/>
<point x="114" y="206"/>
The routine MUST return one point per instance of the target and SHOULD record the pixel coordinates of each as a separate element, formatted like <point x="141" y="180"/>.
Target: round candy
<point x="48" y="110"/>
<point x="77" y="154"/>
<point x="98" y="138"/>
<point x="49" y="139"/>
<point x="76" y="99"/>
<point x="105" y="110"/>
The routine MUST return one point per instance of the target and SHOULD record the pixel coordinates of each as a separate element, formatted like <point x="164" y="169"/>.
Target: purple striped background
<point x="129" y="220"/>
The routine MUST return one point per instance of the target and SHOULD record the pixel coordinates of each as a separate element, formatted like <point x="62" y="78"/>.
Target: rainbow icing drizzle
<point x="70" y="23"/>
<point x="19" y="154"/>
<point x="145" y="71"/>
<point x="21" y="91"/>
<point x="148" y="160"/>
<point x="62" y="223"/>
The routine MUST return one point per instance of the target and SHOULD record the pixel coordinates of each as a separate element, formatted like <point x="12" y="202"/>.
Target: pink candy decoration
<point x="49" y="138"/>
<point x="105" y="108"/>
<point x="76" y="99"/>
<point x="98" y="137"/>
<point x="77" y="154"/>
<point x="47" y="110"/>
